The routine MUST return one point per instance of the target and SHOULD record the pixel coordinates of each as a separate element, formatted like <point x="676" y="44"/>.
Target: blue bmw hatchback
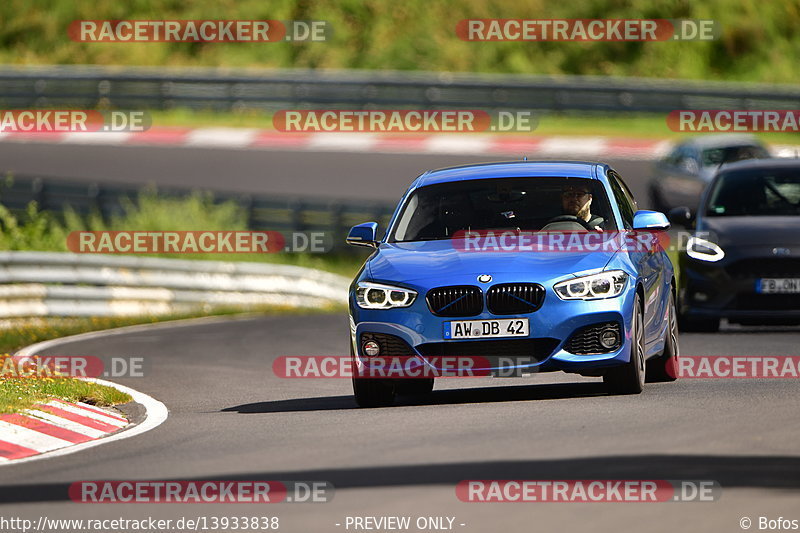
<point x="461" y="272"/>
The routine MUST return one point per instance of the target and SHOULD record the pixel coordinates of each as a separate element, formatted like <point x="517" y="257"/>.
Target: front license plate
<point x="486" y="329"/>
<point x="778" y="286"/>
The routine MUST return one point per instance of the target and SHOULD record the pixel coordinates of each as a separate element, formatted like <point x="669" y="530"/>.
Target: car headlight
<point x="593" y="287"/>
<point x="378" y="296"/>
<point x="703" y="250"/>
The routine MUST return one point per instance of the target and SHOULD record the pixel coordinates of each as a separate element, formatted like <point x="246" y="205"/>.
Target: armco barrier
<point x="271" y="90"/>
<point x="65" y="284"/>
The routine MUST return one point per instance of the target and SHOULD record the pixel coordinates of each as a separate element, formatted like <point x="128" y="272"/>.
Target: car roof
<point x="767" y="163"/>
<point x="720" y="140"/>
<point x="512" y="169"/>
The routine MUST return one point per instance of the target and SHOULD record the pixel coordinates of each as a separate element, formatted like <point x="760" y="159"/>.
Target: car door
<point x="649" y="264"/>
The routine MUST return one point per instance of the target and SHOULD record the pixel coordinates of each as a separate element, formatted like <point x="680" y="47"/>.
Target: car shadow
<point x="554" y="391"/>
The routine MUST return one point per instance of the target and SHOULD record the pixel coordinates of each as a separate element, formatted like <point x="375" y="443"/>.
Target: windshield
<point x="716" y="156"/>
<point x="438" y="211"/>
<point x="773" y="192"/>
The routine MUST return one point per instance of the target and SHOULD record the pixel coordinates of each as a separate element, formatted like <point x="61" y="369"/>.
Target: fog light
<point x="609" y="338"/>
<point x="371" y="348"/>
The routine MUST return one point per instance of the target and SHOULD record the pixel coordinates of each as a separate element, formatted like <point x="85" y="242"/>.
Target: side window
<point x="624" y="199"/>
<point x="627" y="192"/>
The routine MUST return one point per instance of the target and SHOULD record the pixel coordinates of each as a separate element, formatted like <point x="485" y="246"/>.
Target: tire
<point x="665" y="367"/>
<point x="630" y="377"/>
<point x="414" y="387"/>
<point x="371" y="392"/>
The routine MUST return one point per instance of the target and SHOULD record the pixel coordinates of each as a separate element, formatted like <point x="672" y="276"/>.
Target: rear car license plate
<point x="778" y="286"/>
<point x="486" y="329"/>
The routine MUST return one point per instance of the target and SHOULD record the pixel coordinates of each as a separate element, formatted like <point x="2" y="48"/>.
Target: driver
<point x="576" y="202"/>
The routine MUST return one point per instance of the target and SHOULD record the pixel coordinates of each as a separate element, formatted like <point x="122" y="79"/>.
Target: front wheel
<point x="372" y="392"/>
<point x="665" y="367"/>
<point x="629" y="378"/>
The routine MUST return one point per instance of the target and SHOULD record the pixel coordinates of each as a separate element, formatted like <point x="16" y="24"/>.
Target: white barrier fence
<point x="38" y="284"/>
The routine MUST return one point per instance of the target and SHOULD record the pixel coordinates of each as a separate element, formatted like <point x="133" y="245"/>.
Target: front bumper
<point x="551" y="326"/>
<point x="724" y="290"/>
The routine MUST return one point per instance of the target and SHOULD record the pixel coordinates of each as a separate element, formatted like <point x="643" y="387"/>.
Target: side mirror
<point x="652" y="220"/>
<point x="363" y="235"/>
<point x="681" y="216"/>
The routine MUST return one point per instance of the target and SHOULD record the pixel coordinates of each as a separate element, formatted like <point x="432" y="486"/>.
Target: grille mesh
<point x="586" y="340"/>
<point x="391" y="345"/>
<point x="514" y="298"/>
<point x="456" y="300"/>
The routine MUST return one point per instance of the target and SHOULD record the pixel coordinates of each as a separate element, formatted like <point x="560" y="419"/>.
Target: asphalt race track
<point x="337" y="175"/>
<point x="231" y="418"/>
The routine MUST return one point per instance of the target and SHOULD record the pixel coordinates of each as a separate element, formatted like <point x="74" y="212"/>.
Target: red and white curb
<point x="466" y="143"/>
<point x="572" y="147"/>
<point x="101" y="426"/>
<point x="59" y="428"/>
<point x="50" y="445"/>
<point x="54" y="425"/>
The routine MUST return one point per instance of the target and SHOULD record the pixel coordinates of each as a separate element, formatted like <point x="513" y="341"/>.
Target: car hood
<point x="752" y="231"/>
<point x="439" y="260"/>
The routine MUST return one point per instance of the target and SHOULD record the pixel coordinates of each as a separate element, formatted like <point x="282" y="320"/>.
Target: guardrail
<point x="143" y="88"/>
<point x="264" y="213"/>
<point x="37" y="284"/>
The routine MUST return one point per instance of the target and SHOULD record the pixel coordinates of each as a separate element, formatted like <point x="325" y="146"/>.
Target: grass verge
<point x="19" y="394"/>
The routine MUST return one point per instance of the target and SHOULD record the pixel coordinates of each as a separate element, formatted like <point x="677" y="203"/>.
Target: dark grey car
<point x="743" y="260"/>
<point x="680" y="178"/>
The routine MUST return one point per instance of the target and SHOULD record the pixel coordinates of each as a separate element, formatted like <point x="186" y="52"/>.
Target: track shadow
<point x="555" y="391"/>
<point x="758" y="472"/>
